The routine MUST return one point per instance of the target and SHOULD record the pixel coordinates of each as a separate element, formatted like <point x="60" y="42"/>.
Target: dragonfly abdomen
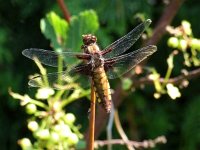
<point x="102" y="88"/>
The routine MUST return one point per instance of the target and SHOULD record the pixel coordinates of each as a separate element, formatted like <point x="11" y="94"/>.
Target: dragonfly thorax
<point x="97" y="60"/>
<point x="90" y="47"/>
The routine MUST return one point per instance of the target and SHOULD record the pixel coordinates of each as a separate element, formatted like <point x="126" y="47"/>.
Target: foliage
<point x="64" y="35"/>
<point x="183" y="42"/>
<point x="51" y="126"/>
<point x="142" y="117"/>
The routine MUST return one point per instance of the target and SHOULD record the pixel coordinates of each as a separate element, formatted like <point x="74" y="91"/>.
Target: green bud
<point x="173" y="42"/>
<point x="63" y="130"/>
<point x="44" y="93"/>
<point x="182" y="44"/>
<point x="33" y="125"/>
<point x="66" y="131"/>
<point x="69" y="118"/>
<point x="31" y="108"/>
<point x="195" y="43"/>
<point x="25" y="143"/>
<point x="57" y="128"/>
<point x="43" y="134"/>
<point x="73" y="139"/>
<point x="186" y="27"/>
<point x="55" y="137"/>
<point x="157" y="95"/>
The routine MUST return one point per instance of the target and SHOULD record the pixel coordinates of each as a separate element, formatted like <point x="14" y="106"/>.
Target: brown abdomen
<point x="102" y="88"/>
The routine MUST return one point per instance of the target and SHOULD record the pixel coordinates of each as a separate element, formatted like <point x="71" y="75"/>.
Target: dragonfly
<point x="99" y="65"/>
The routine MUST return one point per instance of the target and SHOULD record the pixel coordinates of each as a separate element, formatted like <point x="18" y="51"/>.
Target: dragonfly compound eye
<point x="89" y="39"/>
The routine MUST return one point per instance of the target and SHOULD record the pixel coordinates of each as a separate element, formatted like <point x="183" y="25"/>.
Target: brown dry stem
<point x="90" y="141"/>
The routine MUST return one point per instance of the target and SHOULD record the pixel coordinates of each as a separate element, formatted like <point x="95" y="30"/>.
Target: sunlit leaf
<point x="55" y="29"/>
<point x="85" y="23"/>
<point x="126" y="83"/>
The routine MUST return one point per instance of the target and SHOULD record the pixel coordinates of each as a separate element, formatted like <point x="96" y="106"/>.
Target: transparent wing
<point x="51" y="80"/>
<point x="125" y="42"/>
<point x="78" y="76"/>
<point x="117" y="66"/>
<point x="50" y="58"/>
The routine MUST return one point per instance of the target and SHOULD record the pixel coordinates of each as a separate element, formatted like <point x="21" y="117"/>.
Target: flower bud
<point x="33" y="125"/>
<point x="182" y="44"/>
<point x="31" y="108"/>
<point x="187" y="27"/>
<point x="25" y="143"/>
<point x="173" y="42"/>
<point x="44" y="93"/>
<point x="69" y="118"/>
<point x="43" y="134"/>
<point x="73" y="139"/>
<point x="195" y="43"/>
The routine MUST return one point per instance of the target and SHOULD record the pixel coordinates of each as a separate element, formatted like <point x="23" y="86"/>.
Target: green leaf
<point x="126" y="83"/>
<point x="85" y="23"/>
<point x="81" y="144"/>
<point x="68" y="36"/>
<point x="55" y="29"/>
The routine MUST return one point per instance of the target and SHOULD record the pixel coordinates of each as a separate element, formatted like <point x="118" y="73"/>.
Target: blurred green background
<point x="141" y="115"/>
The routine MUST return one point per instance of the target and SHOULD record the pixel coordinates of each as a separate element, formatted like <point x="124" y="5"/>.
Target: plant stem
<point x="90" y="144"/>
<point x="69" y="100"/>
<point x="110" y="125"/>
<point x="60" y="69"/>
<point x="64" y="10"/>
<point x="121" y="131"/>
<point x="169" y="70"/>
<point x="140" y="145"/>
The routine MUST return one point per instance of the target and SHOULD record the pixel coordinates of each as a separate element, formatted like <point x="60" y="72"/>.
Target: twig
<point x="64" y="10"/>
<point x="145" y="144"/>
<point x="121" y="131"/>
<point x="175" y="80"/>
<point x="90" y="143"/>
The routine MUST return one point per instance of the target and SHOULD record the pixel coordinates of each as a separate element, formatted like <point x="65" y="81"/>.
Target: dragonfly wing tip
<point x="148" y="22"/>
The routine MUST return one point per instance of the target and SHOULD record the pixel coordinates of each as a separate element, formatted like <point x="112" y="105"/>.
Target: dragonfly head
<point x="89" y="39"/>
<point x="89" y="44"/>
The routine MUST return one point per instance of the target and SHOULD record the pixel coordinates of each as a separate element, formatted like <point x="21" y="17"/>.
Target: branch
<point x="168" y="15"/>
<point x="144" y="144"/>
<point x="175" y="80"/>
<point x="64" y="10"/>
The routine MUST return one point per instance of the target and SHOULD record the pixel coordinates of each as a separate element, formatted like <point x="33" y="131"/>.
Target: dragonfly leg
<point x="106" y="51"/>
